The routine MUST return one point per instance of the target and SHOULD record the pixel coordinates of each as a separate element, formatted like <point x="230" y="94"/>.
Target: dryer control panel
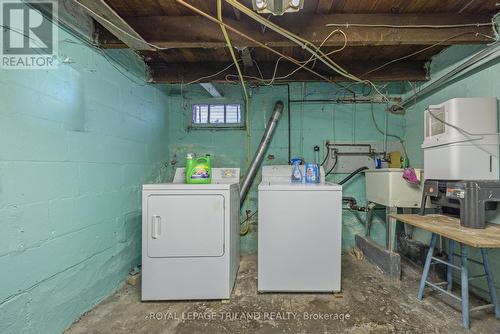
<point x="219" y="175"/>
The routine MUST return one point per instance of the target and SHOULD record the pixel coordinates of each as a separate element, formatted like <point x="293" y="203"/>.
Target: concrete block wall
<point x="76" y="144"/>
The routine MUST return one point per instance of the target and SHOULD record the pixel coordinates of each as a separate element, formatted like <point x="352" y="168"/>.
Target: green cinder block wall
<point x="481" y="82"/>
<point x="311" y="124"/>
<point x="76" y="144"/>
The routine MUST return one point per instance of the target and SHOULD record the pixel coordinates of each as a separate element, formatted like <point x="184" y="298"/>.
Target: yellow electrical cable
<point x="247" y="100"/>
<point x="215" y="20"/>
<point x="297" y="39"/>
<point x="231" y="50"/>
<point x="301" y="42"/>
<point x="304" y="44"/>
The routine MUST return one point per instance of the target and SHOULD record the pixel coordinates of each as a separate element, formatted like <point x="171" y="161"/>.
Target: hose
<point x="353" y="174"/>
<point x="333" y="167"/>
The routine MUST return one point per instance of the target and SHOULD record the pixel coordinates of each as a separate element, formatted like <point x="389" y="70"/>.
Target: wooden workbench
<point x="450" y="228"/>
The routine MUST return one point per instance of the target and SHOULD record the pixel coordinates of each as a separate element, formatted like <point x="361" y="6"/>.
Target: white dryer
<point x="300" y="234"/>
<point x="190" y="237"/>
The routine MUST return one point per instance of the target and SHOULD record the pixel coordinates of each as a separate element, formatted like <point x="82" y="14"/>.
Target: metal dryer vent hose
<point x="247" y="181"/>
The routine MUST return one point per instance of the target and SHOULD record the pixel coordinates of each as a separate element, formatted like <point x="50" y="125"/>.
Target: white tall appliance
<point x="190" y="237"/>
<point x="300" y="233"/>
<point x="461" y="140"/>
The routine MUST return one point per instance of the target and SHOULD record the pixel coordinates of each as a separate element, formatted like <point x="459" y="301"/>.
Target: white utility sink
<point x="387" y="187"/>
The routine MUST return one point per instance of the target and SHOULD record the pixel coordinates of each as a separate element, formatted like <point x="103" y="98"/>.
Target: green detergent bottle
<point x="198" y="170"/>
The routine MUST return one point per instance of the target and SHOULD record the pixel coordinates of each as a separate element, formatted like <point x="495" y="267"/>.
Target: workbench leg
<point x="465" y="287"/>
<point x="427" y="266"/>
<point x="408" y="229"/>
<point x="390" y="228"/>
<point x="491" y="286"/>
<point x="449" y="269"/>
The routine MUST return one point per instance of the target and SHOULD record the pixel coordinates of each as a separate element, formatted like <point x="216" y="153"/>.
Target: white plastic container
<point x="450" y="154"/>
<point x="387" y="187"/>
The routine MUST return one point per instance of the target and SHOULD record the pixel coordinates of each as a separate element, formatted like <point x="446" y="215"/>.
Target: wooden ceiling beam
<point x="198" y="32"/>
<point x="187" y="72"/>
<point x="324" y="6"/>
<point x="105" y="15"/>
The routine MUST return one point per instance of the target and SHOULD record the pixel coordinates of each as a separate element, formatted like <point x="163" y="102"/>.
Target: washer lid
<point x="287" y="186"/>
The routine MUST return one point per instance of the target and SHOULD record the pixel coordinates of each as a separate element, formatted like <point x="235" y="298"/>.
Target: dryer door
<point x="185" y="225"/>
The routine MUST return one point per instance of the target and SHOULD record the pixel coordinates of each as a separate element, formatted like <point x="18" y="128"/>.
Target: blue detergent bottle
<point x="312" y="170"/>
<point x="296" y="173"/>
<point x="312" y="173"/>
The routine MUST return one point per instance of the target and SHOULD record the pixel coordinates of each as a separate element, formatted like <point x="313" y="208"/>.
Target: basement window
<point x="216" y="115"/>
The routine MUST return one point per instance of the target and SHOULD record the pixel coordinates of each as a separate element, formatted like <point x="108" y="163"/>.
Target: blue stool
<point x="464" y="299"/>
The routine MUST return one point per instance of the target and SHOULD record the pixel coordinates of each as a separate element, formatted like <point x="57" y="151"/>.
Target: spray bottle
<point x="296" y="173"/>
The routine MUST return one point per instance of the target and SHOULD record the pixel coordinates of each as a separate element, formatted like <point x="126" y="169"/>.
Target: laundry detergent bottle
<point x="312" y="173"/>
<point x="198" y="170"/>
<point x="296" y="176"/>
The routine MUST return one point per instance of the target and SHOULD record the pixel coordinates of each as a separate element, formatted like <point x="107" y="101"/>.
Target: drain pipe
<point x="485" y="55"/>
<point x="247" y="181"/>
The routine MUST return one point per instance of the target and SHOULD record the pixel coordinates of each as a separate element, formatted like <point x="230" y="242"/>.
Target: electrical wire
<point x="212" y="75"/>
<point x="336" y="67"/>
<point x="141" y="40"/>
<point x="249" y="217"/>
<point x="253" y="40"/>
<point x="466" y="133"/>
<point x="310" y="47"/>
<point x="401" y="140"/>
<point x="231" y="50"/>
<point x="425" y="49"/>
<point x="108" y="58"/>
<point x="312" y="57"/>
<point x="270" y="81"/>
<point x="462" y="131"/>
<point x="409" y="26"/>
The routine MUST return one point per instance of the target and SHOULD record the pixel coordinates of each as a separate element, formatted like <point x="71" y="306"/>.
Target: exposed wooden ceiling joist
<point x="195" y="47"/>
<point x="108" y="18"/>
<point x="324" y="6"/>
<point x="187" y="72"/>
<point x="198" y="32"/>
<point x="129" y="8"/>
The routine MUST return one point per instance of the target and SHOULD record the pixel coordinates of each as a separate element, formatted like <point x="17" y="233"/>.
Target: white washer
<point x="190" y="237"/>
<point x="300" y="234"/>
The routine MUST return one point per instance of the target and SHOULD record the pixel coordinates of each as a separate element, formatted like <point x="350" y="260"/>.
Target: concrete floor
<point x="369" y="303"/>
